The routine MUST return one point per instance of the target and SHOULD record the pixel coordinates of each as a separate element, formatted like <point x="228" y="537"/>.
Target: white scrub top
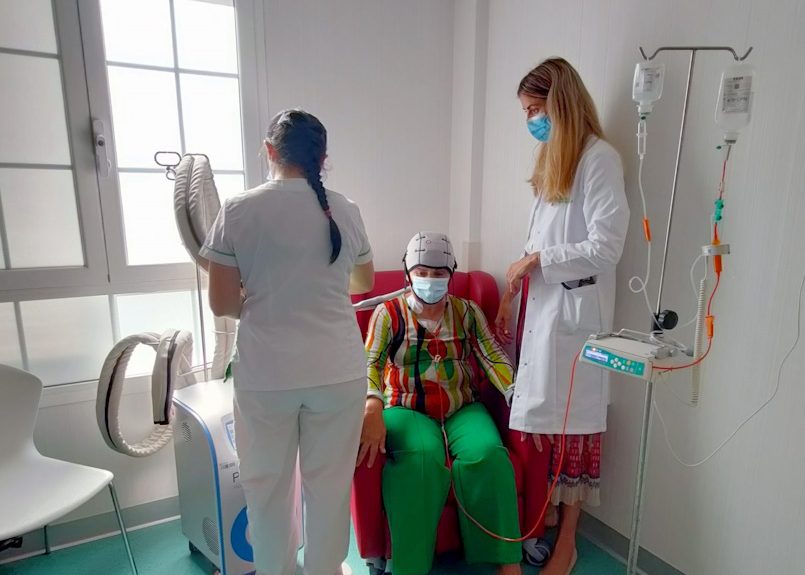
<point x="578" y="239"/>
<point x="297" y="326"/>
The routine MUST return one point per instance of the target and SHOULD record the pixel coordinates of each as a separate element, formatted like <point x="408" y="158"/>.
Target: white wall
<point x="743" y="512"/>
<point x="379" y="76"/>
<point x="66" y="428"/>
<point x="467" y="143"/>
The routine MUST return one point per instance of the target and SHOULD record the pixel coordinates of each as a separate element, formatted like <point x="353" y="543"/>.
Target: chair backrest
<point x="20" y="393"/>
<point x="477" y="286"/>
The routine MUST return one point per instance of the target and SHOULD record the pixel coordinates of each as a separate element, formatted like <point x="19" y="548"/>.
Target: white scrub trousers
<point x="323" y="425"/>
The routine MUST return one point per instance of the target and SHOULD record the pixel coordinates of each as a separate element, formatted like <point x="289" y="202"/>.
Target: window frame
<point x="79" y="40"/>
<point x="80" y="45"/>
<point x="99" y="95"/>
<point x="76" y="105"/>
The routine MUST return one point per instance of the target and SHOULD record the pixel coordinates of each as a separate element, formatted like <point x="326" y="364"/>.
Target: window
<point x="50" y="225"/>
<point x="89" y="250"/>
<point x="177" y="92"/>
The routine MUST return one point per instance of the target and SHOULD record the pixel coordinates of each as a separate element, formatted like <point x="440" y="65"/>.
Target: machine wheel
<point x="375" y="571"/>
<point x="193" y="548"/>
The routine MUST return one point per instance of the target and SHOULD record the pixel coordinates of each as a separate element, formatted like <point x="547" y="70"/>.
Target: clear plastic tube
<point x="636" y="283"/>
<point x="696" y="377"/>
<point x="754" y="413"/>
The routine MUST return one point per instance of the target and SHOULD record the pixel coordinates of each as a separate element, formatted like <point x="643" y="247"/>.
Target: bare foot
<point x="561" y="561"/>
<point x="512" y="569"/>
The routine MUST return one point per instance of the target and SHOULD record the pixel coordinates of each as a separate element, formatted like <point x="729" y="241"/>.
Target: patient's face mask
<point x="414" y="303"/>
<point x="540" y="126"/>
<point x="430" y="290"/>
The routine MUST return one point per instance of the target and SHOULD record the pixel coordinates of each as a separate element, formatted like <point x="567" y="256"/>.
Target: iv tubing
<point x="531" y="532"/>
<point x="698" y="360"/>
<point x="636" y="283"/>
<point x="754" y="413"/>
<point x="697" y="343"/>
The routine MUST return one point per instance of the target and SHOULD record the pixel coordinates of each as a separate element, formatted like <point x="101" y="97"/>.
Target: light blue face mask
<point x="430" y="290"/>
<point x="540" y="127"/>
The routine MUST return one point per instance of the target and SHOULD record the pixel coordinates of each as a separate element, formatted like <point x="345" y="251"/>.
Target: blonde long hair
<point x="573" y="120"/>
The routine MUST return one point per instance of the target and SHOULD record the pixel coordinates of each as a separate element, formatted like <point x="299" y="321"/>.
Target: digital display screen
<point x="591" y="353"/>
<point x="229" y="425"/>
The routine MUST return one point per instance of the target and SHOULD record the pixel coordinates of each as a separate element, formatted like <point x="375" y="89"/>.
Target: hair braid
<point x="301" y="140"/>
<point x="313" y="177"/>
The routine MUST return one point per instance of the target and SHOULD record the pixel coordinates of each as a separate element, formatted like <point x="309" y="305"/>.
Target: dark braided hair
<point x="301" y="141"/>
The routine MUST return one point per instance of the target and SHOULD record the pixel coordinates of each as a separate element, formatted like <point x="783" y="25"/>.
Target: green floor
<point x="162" y="550"/>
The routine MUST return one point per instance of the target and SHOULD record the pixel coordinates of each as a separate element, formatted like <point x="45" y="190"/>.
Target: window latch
<point x="102" y="161"/>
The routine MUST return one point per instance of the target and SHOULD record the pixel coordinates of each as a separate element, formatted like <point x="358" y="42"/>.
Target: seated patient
<point x="419" y="352"/>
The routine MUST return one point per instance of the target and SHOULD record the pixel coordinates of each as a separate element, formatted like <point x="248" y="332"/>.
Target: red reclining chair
<point x="530" y="467"/>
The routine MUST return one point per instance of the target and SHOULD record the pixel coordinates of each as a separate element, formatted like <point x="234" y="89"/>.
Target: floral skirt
<point x="580" y="475"/>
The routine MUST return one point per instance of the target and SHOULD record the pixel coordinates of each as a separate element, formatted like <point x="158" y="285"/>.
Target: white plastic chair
<point x="36" y="490"/>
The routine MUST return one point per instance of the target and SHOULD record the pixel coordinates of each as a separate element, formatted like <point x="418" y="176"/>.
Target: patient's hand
<point x="503" y="319"/>
<point x="373" y="435"/>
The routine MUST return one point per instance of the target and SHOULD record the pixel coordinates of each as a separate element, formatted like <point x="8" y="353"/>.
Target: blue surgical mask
<point x="540" y="127"/>
<point x="430" y="290"/>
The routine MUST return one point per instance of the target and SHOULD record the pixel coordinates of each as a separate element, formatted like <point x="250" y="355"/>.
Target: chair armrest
<point x="367" y="508"/>
<point x="535" y="466"/>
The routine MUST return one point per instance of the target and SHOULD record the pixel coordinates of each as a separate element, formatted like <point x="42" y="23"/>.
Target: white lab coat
<point x="578" y="239"/>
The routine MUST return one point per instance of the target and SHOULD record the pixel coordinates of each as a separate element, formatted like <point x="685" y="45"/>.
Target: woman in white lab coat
<point x="576" y="234"/>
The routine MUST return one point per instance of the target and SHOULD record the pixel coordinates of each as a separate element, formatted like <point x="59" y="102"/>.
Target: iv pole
<point x="640" y="484"/>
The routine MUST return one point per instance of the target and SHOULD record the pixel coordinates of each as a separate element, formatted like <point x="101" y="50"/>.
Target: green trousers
<point x="416" y="484"/>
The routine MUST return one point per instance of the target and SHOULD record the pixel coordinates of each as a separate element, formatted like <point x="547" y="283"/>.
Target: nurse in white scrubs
<point x="300" y="371"/>
<point x="576" y="235"/>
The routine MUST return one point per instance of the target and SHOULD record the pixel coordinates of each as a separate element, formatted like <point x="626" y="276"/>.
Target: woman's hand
<point x="504" y="319"/>
<point x="373" y="434"/>
<point x="542" y="440"/>
<point x="520" y="269"/>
